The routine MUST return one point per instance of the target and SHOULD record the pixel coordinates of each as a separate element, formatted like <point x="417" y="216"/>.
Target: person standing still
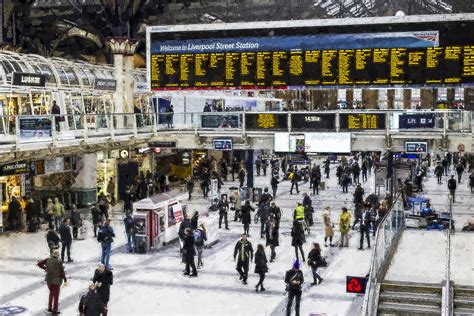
<point x="189" y="253"/>
<point x="344" y="227"/>
<point x="294" y="279"/>
<point x="189" y="187"/>
<point x="54" y="278"/>
<point x="314" y="259"/>
<point x="260" y="266"/>
<point x="66" y="239"/>
<point x="452" y="187"/>
<point x="245" y="213"/>
<point x="56" y="111"/>
<point x="103" y="279"/>
<point x="58" y="210"/>
<point x="223" y="210"/>
<point x="274" y="183"/>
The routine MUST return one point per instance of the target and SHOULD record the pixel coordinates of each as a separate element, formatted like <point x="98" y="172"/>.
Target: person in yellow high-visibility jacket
<point x="299" y="212"/>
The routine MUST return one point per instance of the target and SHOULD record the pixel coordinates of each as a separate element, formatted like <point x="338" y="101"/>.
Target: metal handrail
<point x="447" y="297"/>
<point x="377" y="272"/>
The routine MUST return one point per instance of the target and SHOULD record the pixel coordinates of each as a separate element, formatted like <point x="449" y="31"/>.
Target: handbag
<point x="287" y="288"/>
<point x="322" y="262"/>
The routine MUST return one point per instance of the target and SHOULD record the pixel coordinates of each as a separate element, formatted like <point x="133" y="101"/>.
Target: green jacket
<point x="344" y="222"/>
<point x="54" y="270"/>
<point x="58" y="209"/>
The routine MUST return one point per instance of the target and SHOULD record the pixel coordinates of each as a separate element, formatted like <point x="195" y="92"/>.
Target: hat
<point x="296" y="265"/>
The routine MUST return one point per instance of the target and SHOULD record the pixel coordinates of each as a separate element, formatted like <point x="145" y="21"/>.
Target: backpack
<point x="101" y="235"/>
<point x="197" y="236"/>
<point x="291" y="176"/>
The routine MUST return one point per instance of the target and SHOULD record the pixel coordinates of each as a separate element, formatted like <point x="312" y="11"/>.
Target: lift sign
<point x="355" y="284"/>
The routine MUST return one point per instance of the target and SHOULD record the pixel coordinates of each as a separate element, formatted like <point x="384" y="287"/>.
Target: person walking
<point x="471" y="181"/>
<point x="438" y="171"/>
<point x="14" y="214"/>
<point x="308" y="210"/>
<point x="106" y="237"/>
<point x="130" y="230"/>
<point x="103" y="278"/>
<point x="459" y="171"/>
<point x="91" y="303"/>
<point x="200" y="236"/>
<point x="328" y="230"/>
<point x="244" y="252"/>
<point x="298" y="238"/>
<point x="246" y="216"/>
<point x="96" y="220"/>
<point x="258" y="165"/>
<point x="345" y="182"/>
<point x="365" y="227"/>
<point x="452" y="187"/>
<point x="274" y="184"/>
<point x="276" y="212"/>
<point x="294" y="279"/>
<point x="264" y="166"/>
<point x="241" y="177"/>
<point x="327" y="168"/>
<point x="223" y="210"/>
<point x="293" y="177"/>
<point x="272" y="236"/>
<point x="344" y="227"/>
<point x="53" y="239"/>
<point x="76" y="221"/>
<point x="56" y="112"/>
<point x="235" y="167"/>
<point x="66" y="239"/>
<point x="365" y="167"/>
<point x="260" y="266"/>
<point x="356" y="172"/>
<point x="189" y="253"/>
<point x="189" y="187"/>
<point x="54" y="278"/>
<point x="315" y="180"/>
<point x="314" y="259"/>
<point x="32" y="215"/>
<point x="358" y="194"/>
<point x="58" y="210"/>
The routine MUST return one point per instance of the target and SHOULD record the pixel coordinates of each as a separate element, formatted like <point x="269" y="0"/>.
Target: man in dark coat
<point x="130" y="230"/>
<point x="258" y="165"/>
<point x="54" y="278"/>
<point x="190" y="186"/>
<point x="274" y="183"/>
<point x="245" y="212"/>
<point x="76" y="221"/>
<point x="91" y="303"/>
<point x="298" y="238"/>
<point x="358" y="194"/>
<point x="32" y="213"/>
<point x="96" y="218"/>
<point x="56" y="111"/>
<point x="276" y="212"/>
<point x="439" y="172"/>
<point x="452" y="187"/>
<point x="103" y="279"/>
<point x="66" y="239"/>
<point x="241" y="177"/>
<point x="294" y="279"/>
<point x="223" y="210"/>
<point x="356" y="172"/>
<point x="272" y="236"/>
<point x="235" y="167"/>
<point x="365" y="227"/>
<point x="189" y="253"/>
<point x="459" y="171"/>
<point x="14" y="214"/>
<point x="243" y="248"/>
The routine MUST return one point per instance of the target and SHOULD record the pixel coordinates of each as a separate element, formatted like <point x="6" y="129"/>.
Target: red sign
<point x="355" y="284"/>
<point x="461" y="148"/>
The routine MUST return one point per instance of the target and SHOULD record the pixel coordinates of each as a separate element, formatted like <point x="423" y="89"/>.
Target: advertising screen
<point x="328" y="142"/>
<point x="416" y="147"/>
<point x="311" y="121"/>
<point x="222" y="144"/>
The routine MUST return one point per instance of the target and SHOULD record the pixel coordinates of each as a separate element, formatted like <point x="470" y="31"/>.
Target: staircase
<point x="404" y="298"/>
<point x="463" y="300"/>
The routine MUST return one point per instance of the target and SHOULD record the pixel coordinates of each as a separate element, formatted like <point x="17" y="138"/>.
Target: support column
<point x="85" y="184"/>
<point x="123" y="50"/>
<point x="390" y="98"/>
<point x="249" y="167"/>
<point x="406" y="98"/>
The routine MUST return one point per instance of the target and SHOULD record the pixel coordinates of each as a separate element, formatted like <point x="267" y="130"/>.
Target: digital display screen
<point x="416" y="147"/>
<point x="362" y="121"/>
<point x="222" y="144"/>
<point x="266" y="121"/>
<point x="425" y="120"/>
<point x="304" y="122"/>
<point x="328" y="142"/>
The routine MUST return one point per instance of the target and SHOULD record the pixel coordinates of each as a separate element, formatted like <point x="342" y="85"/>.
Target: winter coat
<point x="32" y="211"/>
<point x="14" y="210"/>
<point x="107" y="279"/>
<point x="314" y="257"/>
<point x="188" y="247"/>
<point x="244" y="250"/>
<point x="261" y="262"/>
<point x="54" y="270"/>
<point x="190" y="185"/>
<point x="297" y="235"/>
<point x="52" y="238"/>
<point x="294" y="275"/>
<point x="65" y="233"/>
<point x="328" y="230"/>
<point x="452" y="184"/>
<point x="276" y="212"/>
<point x="58" y="209"/>
<point x="223" y="207"/>
<point x="271" y="233"/>
<point x="471" y="180"/>
<point x="76" y="220"/>
<point x="344" y="222"/>
<point x="129" y="223"/>
<point x="95" y="216"/>
<point x="92" y="304"/>
<point x="245" y="212"/>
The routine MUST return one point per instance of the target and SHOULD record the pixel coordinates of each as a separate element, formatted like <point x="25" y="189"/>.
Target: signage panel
<point x="222" y="144"/>
<point x="416" y="147"/>
<point x="28" y="79"/>
<point x="328" y="142"/>
<point x="162" y="144"/>
<point x="310" y="121"/>
<point x="13" y="168"/>
<point x="35" y="129"/>
<point x="266" y="121"/>
<point x="361" y="121"/>
<point x="418" y="120"/>
<point x="105" y="84"/>
<point x="219" y="121"/>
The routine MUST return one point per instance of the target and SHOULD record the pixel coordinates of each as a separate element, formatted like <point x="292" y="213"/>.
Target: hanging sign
<point x="105" y="84"/>
<point x="14" y="168"/>
<point x="28" y="79"/>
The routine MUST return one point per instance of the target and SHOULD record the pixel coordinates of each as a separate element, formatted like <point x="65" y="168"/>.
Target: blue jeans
<point x="106" y="251"/>
<point x="130" y="242"/>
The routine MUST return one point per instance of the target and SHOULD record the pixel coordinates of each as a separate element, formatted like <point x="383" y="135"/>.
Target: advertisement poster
<point x="219" y="121"/>
<point x="34" y="129"/>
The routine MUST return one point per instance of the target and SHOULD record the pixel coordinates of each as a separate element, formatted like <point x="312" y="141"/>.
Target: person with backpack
<point x="344" y="227"/>
<point x="103" y="278"/>
<point x="246" y="216"/>
<point x="298" y="238"/>
<point x="200" y="236"/>
<point x="294" y="279"/>
<point x="452" y="187"/>
<point x="314" y="260"/>
<point x="52" y="238"/>
<point x="189" y="253"/>
<point x="106" y="237"/>
<point x="261" y="267"/>
<point x="91" y="304"/>
<point x="272" y="235"/>
<point x="55" y="276"/>
<point x="365" y="227"/>
<point x="223" y="210"/>
<point x="243" y="252"/>
<point x="459" y="171"/>
<point x="274" y="184"/>
<point x="66" y="239"/>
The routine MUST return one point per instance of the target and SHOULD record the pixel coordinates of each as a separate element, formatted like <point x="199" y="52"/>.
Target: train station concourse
<point x="224" y="157"/>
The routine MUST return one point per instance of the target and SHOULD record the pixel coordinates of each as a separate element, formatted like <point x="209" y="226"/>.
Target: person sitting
<point x="427" y="210"/>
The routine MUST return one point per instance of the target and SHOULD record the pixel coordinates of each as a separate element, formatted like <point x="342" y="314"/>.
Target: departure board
<point x="312" y="121"/>
<point x="362" y="121"/>
<point x="266" y="121"/>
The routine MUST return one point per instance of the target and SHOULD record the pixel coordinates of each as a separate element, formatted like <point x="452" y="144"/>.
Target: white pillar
<point x="85" y="184"/>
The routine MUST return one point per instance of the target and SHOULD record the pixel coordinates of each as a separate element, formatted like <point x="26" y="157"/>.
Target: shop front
<point x="15" y="181"/>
